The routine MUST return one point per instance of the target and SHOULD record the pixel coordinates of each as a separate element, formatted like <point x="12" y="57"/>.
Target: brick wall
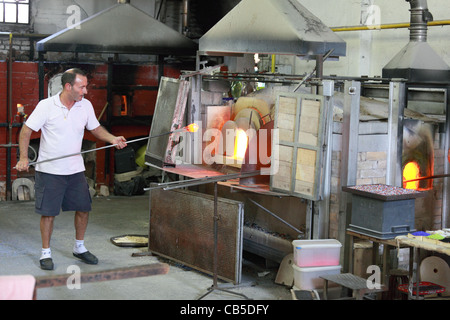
<point x="22" y="47"/>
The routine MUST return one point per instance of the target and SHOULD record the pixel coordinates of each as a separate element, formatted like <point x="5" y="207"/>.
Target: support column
<point x="349" y="161"/>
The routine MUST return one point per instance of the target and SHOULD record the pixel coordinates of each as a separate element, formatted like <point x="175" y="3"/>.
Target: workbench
<point x="416" y="245"/>
<point x="398" y="242"/>
<point x="388" y="244"/>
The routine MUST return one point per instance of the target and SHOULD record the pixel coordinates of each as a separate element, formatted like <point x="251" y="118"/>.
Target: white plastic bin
<point x="309" y="278"/>
<point x="316" y="253"/>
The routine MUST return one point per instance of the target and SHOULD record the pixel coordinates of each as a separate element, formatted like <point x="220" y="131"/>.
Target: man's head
<point x="74" y="82"/>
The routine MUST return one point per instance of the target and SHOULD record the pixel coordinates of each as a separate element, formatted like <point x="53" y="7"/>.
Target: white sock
<point x="79" y="246"/>
<point x="46" y="253"/>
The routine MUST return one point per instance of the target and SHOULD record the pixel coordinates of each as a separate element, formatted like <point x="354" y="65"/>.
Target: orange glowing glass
<point x="411" y="172"/>
<point x="240" y="144"/>
<point x="192" y="127"/>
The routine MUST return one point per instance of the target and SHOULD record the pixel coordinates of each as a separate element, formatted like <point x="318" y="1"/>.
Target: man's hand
<point x="120" y="142"/>
<point x="22" y="165"/>
<point x="24" y="143"/>
<point x="102" y="134"/>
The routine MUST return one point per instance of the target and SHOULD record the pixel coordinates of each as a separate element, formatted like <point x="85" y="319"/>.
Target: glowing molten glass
<point x="192" y="127"/>
<point x="411" y="172"/>
<point x="240" y="144"/>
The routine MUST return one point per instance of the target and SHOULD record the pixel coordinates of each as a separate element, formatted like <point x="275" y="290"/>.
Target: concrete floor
<point x="20" y="246"/>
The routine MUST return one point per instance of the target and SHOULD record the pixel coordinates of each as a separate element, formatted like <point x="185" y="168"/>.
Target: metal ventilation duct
<point x="417" y="61"/>
<point x="271" y="27"/>
<point x="121" y="28"/>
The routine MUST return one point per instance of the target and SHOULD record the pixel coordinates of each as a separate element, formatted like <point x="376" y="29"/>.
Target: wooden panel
<point x="305" y="175"/>
<point x="282" y="180"/>
<point x="309" y="123"/>
<point x="181" y="229"/>
<point x="299" y="121"/>
<point x="306" y="164"/>
<point x="286" y="118"/>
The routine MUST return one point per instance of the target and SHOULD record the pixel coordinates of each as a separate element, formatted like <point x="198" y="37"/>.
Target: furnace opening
<point x="418" y="155"/>
<point x="411" y="171"/>
<point x="240" y="145"/>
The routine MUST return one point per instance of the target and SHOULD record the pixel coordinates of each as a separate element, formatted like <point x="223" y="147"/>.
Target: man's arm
<point x="24" y="142"/>
<point x="102" y="134"/>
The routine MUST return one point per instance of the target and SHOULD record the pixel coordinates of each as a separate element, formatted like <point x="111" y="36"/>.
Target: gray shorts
<point x="56" y="192"/>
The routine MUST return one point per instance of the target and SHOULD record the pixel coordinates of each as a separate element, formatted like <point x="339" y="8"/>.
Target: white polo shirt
<point x="62" y="132"/>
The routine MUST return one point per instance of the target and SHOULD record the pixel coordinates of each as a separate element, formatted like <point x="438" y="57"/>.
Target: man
<point x="61" y="184"/>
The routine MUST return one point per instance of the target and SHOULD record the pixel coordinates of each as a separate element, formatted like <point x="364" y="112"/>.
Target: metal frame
<point x="175" y="106"/>
<point x="215" y="180"/>
<point x="397" y="92"/>
<point x="349" y="158"/>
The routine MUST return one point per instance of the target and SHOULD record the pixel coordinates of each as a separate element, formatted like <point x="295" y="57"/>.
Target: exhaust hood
<point x="121" y="28"/>
<point x="271" y="27"/>
<point x="417" y="61"/>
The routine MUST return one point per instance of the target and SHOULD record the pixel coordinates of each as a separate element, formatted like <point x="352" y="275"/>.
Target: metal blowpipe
<point x="190" y="128"/>
<point x="429" y="177"/>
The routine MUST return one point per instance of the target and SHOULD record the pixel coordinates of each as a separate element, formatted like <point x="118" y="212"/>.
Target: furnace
<point x="312" y="140"/>
<point x="240" y="125"/>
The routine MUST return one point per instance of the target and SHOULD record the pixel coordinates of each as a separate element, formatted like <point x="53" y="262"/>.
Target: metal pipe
<point x="273" y="63"/>
<point x="277" y="217"/>
<point x="25" y="35"/>
<point x="9" y="121"/>
<point x="428" y="178"/>
<point x="185" y="17"/>
<point x="419" y="19"/>
<point x="9" y="110"/>
<point x="204" y="180"/>
<point x="82" y="152"/>
<point x="184" y="129"/>
<point x="388" y="26"/>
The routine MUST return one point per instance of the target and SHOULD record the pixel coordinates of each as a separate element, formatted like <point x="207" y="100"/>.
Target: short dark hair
<point x="70" y="75"/>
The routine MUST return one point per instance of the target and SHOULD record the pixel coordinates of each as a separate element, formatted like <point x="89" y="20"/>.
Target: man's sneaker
<point x="46" y="264"/>
<point x="87" y="257"/>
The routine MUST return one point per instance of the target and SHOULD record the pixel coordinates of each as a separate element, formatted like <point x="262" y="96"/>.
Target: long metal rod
<point x="325" y="57"/>
<point x="101" y="148"/>
<point x="209" y="178"/>
<point x="82" y="152"/>
<point x="429" y="177"/>
<point x="9" y="118"/>
<point x="204" y="180"/>
<point x="277" y="217"/>
<point x="215" y="285"/>
<point x="387" y="26"/>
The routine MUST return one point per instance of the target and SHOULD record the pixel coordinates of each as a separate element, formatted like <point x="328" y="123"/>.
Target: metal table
<point x="350" y="281"/>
